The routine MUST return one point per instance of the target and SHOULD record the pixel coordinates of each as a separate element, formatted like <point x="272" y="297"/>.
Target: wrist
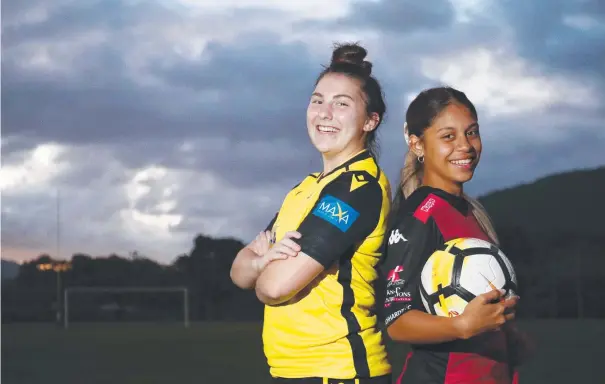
<point x="461" y="327"/>
<point x="256" y="265"/>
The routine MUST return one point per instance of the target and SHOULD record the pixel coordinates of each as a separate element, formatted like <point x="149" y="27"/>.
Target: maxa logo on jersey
<point x="336" y="212"/>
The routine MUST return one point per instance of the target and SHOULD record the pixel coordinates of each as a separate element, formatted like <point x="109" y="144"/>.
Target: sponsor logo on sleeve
<point x="430" y="203"/>
<point x="336" y="212"/>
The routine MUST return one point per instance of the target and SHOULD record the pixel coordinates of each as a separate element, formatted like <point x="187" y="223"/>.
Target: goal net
<point x="125" y="304"/>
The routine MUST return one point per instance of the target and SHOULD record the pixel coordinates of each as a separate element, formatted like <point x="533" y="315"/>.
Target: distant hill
<point x="570" y="202"/>
<point x="10" y="269"/>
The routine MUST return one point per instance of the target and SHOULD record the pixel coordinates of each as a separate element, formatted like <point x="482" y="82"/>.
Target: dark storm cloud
<point x="400" y="16"/>
<point x="524" y="162"/>
<point x="124" y="98"/>
<point x="262" y="87"/>
<point x="64" y="20"/>
<point x="244" y="83"/>
<point x="542" y="34"/>
<point x="255" y="88"/>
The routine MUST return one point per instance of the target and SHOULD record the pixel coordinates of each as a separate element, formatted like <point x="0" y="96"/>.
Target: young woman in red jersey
<point x="442" y="132"/>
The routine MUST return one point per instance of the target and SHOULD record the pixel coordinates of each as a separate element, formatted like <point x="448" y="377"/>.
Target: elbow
<point x="399" y="331"/>
<point x="234" y="280"/>
<point x="270" y="293"/>
<point x="238" y="280"/>
<point x="396" y="334"/>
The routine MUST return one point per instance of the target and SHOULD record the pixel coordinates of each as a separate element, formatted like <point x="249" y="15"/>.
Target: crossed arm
<point x="320" y="240"/>
<point x="283" y="279"/>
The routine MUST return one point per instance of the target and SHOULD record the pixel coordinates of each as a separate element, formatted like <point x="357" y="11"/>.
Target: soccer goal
<point x="144" y="302"/>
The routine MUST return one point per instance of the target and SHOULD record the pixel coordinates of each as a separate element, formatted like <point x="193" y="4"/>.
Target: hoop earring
<point x="421" y="159"/>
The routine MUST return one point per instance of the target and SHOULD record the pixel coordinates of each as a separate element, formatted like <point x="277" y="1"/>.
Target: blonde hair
<point x="411" y="178"/>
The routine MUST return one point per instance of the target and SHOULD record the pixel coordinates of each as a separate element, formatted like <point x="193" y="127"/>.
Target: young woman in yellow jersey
<point x="317" y="276"/>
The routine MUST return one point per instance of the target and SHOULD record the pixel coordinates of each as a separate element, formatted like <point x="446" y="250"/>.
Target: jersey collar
<point x="364" y="154"/>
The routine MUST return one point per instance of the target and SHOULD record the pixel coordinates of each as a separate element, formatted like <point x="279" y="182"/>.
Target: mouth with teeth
<point x="327" y="129"/>
<point x="465" y="163"/>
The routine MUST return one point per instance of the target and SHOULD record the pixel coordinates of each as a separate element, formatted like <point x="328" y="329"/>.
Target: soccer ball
<point x="463" y="269"/>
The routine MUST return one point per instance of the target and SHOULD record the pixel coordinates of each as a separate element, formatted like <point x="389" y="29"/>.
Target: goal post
<point x="182" y="290"/>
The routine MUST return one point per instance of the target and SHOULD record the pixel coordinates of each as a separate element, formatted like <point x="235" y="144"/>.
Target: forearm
<point x="417" y="327"/>
<point x="268" y="289"/>
<point x="281" y="280"/>
<point x="244" y="272"/>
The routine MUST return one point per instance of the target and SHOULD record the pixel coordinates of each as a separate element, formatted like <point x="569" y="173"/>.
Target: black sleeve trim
<point x="347" y="211"/>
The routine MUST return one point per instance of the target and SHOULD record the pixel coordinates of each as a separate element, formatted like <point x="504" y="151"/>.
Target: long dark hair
<point x="420" y="115"/>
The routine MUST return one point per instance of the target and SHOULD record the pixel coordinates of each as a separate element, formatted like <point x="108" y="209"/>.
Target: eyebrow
<point x="473" y="125"/>
<point x="343" y="95"/>
<point x="336" y="96"/>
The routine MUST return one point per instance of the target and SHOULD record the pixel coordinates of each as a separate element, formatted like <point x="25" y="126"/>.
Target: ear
<point x="371" y="122"/>
<point x="416" y="145"/>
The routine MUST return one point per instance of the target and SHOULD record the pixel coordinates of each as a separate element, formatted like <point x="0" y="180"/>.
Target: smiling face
<point x="451" y="147"/>
<point x="337" y="120"/>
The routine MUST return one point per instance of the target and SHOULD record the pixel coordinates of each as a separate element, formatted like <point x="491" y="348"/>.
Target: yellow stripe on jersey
<point x="330" y="328"/>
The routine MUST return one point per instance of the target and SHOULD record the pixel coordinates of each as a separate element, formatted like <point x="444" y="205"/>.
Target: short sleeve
<point x="409" y="244"/>
<point x="346" y="212"/>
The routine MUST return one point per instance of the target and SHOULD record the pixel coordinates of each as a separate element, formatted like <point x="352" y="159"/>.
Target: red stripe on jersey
<point x="405" y="366"/>
<point x="451" y="223"/>
<point x="470" y="368"/>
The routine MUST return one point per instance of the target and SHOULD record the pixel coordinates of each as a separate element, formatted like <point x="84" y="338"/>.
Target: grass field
<point x="568" y="352"/>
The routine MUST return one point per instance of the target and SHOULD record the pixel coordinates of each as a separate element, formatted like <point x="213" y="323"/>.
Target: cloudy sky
<point x="154" y="120"/>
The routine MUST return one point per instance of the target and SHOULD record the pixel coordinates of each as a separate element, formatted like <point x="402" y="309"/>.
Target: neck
<point x="446" y="185"/>
<point x="332" y="162"/>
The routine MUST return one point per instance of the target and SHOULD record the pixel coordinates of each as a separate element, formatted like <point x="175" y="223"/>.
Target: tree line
<point x="559" y="275"/>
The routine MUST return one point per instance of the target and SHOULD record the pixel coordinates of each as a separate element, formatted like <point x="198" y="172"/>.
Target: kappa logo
<point x="336" y="212"/>
<point x="395" y="237"/>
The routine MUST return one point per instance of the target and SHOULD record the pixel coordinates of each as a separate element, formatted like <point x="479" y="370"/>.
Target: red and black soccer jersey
<point x="421" y="225"/>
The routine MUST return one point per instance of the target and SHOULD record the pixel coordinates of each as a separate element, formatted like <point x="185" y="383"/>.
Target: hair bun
<point x="352" y="54"/>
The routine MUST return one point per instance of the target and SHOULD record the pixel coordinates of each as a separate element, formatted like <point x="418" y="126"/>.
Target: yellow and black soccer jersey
<point x="330" y="328"/>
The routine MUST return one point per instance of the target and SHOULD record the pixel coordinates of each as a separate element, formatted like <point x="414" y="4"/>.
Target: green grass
<point x="568" y="352"/>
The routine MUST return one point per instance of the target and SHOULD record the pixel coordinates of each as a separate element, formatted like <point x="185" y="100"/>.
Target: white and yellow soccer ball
<point x="463" y="269"/>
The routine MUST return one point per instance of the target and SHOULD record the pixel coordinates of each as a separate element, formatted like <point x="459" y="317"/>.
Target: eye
<point x="449" y="136"/>
<point x="473" y="132"/>
<point x="342" y="104"/>
<point x="315" y="101"/>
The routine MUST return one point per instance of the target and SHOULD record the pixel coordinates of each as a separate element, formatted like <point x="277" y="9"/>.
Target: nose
<point x="463" y="144"/>
<point x="325" y="111"/>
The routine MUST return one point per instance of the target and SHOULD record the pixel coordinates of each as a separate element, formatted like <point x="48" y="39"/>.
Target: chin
<point x="322" y="148"/>
<point x="463" y="178"/>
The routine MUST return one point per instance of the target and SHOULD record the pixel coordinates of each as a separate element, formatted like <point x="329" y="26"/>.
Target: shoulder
<point x="362" y="173"/>
<point x="356" y="185"/>
<point x="413" y="216"/>
<point x="311" y="178"/>
<point x="423" y="204"/>
<point x="369" y="167"/>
